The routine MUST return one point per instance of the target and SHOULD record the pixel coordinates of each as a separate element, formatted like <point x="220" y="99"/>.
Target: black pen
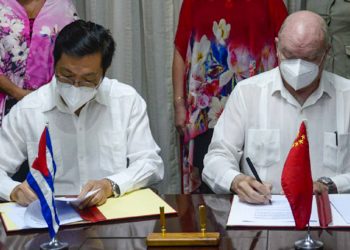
<point x="252" y="168"/>
<point x="336" y="138"/>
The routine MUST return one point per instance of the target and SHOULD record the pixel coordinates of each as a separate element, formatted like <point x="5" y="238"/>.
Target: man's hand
<point x="318" y="187"/>
<point x="98" y="198"/>
<point x="23" y="194"/>
<point x="250" y="190"/>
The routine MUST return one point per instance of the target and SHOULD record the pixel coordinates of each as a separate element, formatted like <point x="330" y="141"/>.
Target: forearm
<point x="342" y="182"/>
<point x="11" y="89"/>
<point x="7" y="185"/>
<point x="139" y="174"/>
<point x="220" y="170"/>
<point x="178" y="77"/>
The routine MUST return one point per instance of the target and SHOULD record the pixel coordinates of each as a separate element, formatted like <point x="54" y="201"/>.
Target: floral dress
<point x="221" y="42"/>
<point x="27" y="60"/>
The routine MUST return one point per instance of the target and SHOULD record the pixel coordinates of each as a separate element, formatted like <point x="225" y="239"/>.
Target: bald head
<point x="303" y="35"/>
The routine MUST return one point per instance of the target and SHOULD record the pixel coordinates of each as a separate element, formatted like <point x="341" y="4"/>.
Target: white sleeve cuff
<point x="7" y="187"/>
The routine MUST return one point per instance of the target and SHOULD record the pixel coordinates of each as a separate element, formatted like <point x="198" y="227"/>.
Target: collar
<point x="56" y="100"/>
<point x="325" y="87"/>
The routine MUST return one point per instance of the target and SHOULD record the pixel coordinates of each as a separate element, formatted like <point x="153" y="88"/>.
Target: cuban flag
<point x="41" y="179"/>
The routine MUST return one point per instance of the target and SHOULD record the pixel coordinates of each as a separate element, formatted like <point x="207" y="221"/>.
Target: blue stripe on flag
<point x="45" y="209"/>
<point x="49" y="146"/>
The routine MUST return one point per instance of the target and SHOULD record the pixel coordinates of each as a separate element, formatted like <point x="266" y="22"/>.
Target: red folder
<point x="92" y="214"/>
<point x="324" y="209"/>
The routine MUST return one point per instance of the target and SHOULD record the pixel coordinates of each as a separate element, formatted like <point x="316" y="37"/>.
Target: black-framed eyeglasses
<point x="71" y="81"/>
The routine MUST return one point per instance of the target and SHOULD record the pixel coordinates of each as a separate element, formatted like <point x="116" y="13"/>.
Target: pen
<point x="252" y="168"/>
<point x="336" y="138"/>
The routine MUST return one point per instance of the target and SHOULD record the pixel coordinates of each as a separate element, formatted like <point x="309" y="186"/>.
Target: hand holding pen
<point x="252" y="168"/>
<point x="250" y="190"/>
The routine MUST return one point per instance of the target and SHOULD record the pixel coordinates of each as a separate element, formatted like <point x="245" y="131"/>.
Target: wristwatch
<point x="332" y="188"/>
<point x="115" y="188"/>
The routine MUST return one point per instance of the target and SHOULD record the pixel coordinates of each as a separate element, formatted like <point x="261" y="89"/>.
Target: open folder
<point x="137" y="204"/>
<point x="279" y="214"/>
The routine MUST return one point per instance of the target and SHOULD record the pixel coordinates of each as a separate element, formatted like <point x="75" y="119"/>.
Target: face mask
<point x="298" y="73"/>
<point x="75" y="97"/>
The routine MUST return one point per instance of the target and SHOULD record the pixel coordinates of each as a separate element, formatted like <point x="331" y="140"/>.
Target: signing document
<point x="31" y="216"/>
<point x="141" y="203"/>
<point x="279" y="214"/>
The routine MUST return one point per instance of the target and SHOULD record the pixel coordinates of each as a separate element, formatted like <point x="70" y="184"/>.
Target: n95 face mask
<point x="298" y="73"/>
<point x="75" y="97"/>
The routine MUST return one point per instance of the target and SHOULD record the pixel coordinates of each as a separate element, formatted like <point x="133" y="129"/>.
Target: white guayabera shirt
<point x="111" y="138"/>
<point x="261" y="120"/>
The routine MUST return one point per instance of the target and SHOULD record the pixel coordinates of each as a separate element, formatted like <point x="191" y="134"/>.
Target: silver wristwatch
<point x="115" y="188"/>
<point x="332" y="188"/>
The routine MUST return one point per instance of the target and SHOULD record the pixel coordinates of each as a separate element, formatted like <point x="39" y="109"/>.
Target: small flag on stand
<point x="297" y="181"/>
<point x="41" y="179"/>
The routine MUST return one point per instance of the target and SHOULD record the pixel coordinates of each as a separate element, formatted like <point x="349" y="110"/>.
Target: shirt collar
<point x="103" y="92"/>
<point x="56" y="100"/>
<point x="324" y="87"/>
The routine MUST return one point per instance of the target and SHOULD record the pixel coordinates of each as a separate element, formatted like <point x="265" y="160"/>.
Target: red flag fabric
<point x="297" y="180"/>
<point x="40" y="161"/>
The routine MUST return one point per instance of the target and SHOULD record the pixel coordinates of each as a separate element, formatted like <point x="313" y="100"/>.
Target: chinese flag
<point x="297" y="181"/>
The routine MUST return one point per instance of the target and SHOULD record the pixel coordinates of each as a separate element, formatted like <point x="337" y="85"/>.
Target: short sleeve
<point x="278" y="13"/>
<point x="184" y="28"/>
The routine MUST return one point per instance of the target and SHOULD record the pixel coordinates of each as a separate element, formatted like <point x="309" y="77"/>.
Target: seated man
<point x="98" y="126"/>
<point x="263" y="115"/>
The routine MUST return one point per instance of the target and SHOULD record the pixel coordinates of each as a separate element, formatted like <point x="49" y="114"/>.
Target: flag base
<point x="54" y="244"/>
<point x="308" y="243"/>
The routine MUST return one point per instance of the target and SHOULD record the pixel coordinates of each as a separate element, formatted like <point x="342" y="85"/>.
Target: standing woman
<point x="218" y="43"/>
<point x="28" y="29"/>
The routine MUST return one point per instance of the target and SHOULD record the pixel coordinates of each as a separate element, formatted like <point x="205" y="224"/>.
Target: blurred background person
<point x="217" y="44"/>
<point x="336" y="15"/>
<point x="28" y="29"/>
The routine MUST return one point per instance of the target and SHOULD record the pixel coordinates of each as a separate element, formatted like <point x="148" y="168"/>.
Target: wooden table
<point x="131" y="234"/>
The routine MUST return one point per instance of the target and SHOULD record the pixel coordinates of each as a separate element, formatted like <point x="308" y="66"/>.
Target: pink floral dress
<point x="28" y="60"/>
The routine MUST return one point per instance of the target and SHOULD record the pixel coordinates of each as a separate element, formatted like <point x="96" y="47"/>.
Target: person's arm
<point x="13" y="152"/>
<point x="11" y="89"/>
<point x="221" y="163"/>
<point x="342" y="182"/>
<point x="145" y="165"/>
<point x="178" y="90"/>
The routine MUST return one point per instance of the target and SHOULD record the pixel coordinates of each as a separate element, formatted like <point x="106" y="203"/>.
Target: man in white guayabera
<point x="263" y="115"/>
<point x="99" y="127"/>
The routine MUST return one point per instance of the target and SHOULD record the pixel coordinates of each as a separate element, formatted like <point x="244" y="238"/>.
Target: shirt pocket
<point x="112" y="152"/>
<point x="344" y="153"/>
<point x="263" y="147"/>
<point x="336" y="157"/>
<point x="32" y="151"/>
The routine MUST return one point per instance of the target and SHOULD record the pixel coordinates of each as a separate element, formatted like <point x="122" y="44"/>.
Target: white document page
<point x="66" y="214"/>
<point x="76" y="201"/>
<point x="33" y="217"/>
<point x="16" y="213"/>
<point x="277" y="214"/>
<point x="340" y="204"/>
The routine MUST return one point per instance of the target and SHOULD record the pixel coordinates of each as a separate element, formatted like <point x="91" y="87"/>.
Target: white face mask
<point x="298" y="73"/>
<point x="75" y="97"/>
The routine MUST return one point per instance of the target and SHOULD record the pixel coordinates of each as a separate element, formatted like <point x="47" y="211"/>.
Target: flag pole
<point x="54" y="244"/>
<point x="308" y="242"/>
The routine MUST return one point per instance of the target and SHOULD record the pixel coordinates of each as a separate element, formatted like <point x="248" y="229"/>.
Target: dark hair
<point x="81" y="38"/>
